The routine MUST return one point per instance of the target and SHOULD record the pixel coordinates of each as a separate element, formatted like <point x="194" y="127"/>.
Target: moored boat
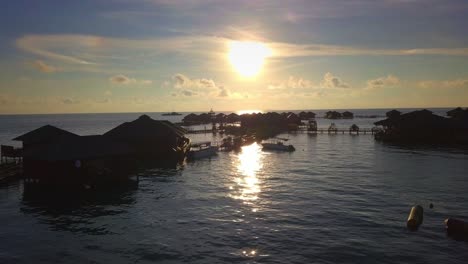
<point x="278" y="144"/>
<point x="202" y="150"/>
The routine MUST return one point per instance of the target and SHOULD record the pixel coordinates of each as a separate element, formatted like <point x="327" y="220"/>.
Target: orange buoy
<point x="456" y="227"/>
<point x="415" y="217"/>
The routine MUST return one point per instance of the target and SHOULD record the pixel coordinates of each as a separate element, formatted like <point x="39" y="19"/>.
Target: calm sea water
<point x="336" y="199"/>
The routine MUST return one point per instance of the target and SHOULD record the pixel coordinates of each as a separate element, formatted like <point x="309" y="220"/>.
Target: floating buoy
<point x="415" y="217"/>
<point x="431" y="205"/>
<point x="456" y="227"/>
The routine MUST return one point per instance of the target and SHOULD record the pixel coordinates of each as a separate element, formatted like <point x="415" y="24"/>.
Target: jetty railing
<point x="301" y="129"/>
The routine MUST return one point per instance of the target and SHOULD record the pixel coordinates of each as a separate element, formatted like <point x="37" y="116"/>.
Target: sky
<point x="96" y="56"/>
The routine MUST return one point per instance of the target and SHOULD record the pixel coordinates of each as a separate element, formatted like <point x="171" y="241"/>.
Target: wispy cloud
<point x="389" y="80"/>
<point x="122" y="79"/>
<point x="291" y="83"/>
<point x="43" y="67"/>
<point x="444" y="84"/>
<point x="67" y="48"/>
<point x="203" y="87"/>
<point x="331" y="81"/>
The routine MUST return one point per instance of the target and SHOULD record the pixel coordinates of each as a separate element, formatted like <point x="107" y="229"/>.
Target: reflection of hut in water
<point x="354" y="128"/>
<point x="422" y="126"/>
<point x="332" y="128"/>
<point x="312" y="125"/>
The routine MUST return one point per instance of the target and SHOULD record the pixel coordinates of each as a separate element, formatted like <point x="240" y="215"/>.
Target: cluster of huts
<point x="423" y="126"/>
<point x="338" y="115"/>
<point x="205" y="118"/>
<point x="51" y="154"/>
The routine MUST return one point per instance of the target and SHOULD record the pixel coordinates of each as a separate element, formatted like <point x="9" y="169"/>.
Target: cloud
<point x="330" y="81"/>
<point x="43" y="67"/>
<point x="389" y="80"/>
<point x="122" y="79"/>
<point x="41" y="44"/>
<point x="97" y="51"/>
<point x="3" y="99"/>
<point x="192" y="87"/>
<point x="291" y="83"/>
<point x="447" y="84"/>
<point x="69" y="101"/>
<point x="223" y="92"/>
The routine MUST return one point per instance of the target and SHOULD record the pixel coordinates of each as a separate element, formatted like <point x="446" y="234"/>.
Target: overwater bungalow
<point x="306" y="115"/>
<point x="347" y="115"/>
<point x="424" y="127"/>
<point x="332" y="115"/>
<point x="458" y="113"/>
<point x="393" y="113"/>
<point x="54" y="155"/>
<point x="152" y="139"/>
<point x="232" y="118"/>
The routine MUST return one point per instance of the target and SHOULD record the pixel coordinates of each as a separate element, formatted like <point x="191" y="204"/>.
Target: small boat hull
<point x="203" y="153"/>
<point x="278" y="147"/>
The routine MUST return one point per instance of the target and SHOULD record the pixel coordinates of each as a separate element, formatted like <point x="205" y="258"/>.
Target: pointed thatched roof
<point x="144" y="128"/>
<point x="44" y="134"/>
<point x="393" y="113"/>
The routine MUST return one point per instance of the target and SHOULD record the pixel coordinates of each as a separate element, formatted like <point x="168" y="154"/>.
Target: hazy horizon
<point x="156" y="55"/>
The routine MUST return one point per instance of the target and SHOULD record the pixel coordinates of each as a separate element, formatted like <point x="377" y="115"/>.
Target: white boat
<point x="277" y="144"/>
<point x="202" y="150"/>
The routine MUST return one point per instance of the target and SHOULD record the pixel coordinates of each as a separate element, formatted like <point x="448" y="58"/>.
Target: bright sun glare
<point x="248" y="58"/>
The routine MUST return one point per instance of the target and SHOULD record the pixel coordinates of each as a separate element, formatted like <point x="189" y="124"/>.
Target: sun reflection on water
<point x="249" y="164"/>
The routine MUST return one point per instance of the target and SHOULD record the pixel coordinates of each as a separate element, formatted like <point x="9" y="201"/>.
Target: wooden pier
<point x="365" y="131"/>
<point x="10" y="171"/>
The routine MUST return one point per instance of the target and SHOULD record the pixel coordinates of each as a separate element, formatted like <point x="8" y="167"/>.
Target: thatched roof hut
<point x="43" y="135"/>
<point x="393" y="113"/>
<point x="190" y="118"/>
<point x="459" y="114"/>
<point x="232" y="118"/>
<point x="220" y="118"/>
<point x="422" y="126"/>
<point x="306" y="115"/>
<point x="333" y="115"/>
<point x="145" y="129"/>
<point x="293" y="119"/>
<point x="347" y="115"/>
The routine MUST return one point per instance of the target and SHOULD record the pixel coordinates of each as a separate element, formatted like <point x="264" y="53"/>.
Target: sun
<point x="248" y="58"/>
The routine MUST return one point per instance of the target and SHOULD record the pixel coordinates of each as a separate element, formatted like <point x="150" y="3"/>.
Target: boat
<point x="202" y="150"/>
<point x="172" y="114"/>
<point x="278" y="144"/>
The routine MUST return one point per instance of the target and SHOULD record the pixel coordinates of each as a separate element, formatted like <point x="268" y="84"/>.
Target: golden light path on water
<point x="249" y="163"/>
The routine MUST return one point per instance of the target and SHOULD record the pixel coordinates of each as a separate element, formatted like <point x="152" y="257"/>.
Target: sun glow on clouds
<point x="248" y="58"/>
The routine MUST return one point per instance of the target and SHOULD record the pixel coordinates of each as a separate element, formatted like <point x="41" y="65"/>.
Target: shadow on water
<point x="76" y="210"/>
<point x="410" y="147"/>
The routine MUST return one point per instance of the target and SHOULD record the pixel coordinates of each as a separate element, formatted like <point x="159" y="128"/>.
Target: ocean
<point x="336" y="199"/>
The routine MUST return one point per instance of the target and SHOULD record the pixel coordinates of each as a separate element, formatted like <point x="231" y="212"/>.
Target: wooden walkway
<point x="365" y="131"/>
